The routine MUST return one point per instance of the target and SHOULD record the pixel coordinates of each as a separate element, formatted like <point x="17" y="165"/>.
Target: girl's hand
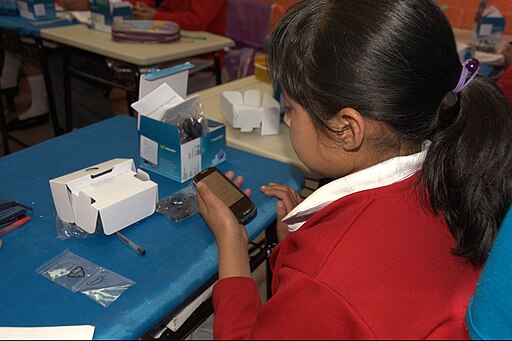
<point x="289" y="199"/>
<point x="231" y="236"/>
<point x="143" y="11"/>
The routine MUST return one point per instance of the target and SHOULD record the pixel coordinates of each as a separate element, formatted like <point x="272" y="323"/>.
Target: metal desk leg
<point x="271" y="242"/>
<point x="49" y="90"/>
<point x="68" y="107"/>
<point x="3" y="129"/>
<point x="218" y="68"/>
<point x="129" y="99"/>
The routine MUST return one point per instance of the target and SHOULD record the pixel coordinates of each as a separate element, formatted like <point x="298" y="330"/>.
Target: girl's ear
<point x="350" y="127"/>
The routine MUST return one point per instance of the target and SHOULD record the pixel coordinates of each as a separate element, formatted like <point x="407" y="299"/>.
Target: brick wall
<point x="461" y="13"/>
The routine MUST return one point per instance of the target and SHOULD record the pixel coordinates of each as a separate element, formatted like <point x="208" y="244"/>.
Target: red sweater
<point x="197" y="15"/>
<point x="504" y="82"/>
<point x="372" y="265"/>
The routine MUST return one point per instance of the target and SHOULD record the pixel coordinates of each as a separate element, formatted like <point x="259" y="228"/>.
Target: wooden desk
<point x="277" y="147"/>
<point x="495" y="59"/>
<point x="84" y="38"/>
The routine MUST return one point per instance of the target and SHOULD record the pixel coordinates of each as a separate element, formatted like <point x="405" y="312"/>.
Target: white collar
<point x="379" y="175"/>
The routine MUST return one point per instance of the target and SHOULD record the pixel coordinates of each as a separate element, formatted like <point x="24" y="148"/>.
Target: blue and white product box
<point x="490" y="30"/>
<point x="162" y="151"/>
<point x="37" y="9"/>
<point x="176" y="140"/>
<point x="105" y="12"/>
<point x="8" y="7"/>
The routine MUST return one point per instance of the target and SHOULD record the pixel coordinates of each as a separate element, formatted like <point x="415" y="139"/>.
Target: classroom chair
<point x="489" y="315"/>
<point x="247" y="23"/>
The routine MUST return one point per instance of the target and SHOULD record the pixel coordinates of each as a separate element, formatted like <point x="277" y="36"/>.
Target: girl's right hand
<point x="289" y="198"/>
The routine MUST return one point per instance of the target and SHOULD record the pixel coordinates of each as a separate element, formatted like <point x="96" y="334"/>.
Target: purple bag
<point x="145" y="31"/>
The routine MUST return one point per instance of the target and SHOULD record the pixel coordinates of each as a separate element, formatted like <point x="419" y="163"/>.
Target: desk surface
<point x="25" y="27"/>
<point x="180" y="257"/>
<point x="277" y="147"/>
<point x="82" y="37"/>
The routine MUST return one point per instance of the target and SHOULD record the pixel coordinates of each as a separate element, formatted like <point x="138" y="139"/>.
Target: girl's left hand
<point x="289" y="199"/>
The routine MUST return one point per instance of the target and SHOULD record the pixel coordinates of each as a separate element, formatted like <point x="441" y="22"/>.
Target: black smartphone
<point x="239" y="203"/>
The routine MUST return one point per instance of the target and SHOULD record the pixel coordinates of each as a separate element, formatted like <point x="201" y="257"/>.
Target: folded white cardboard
<point x="113" y="193"/>
<point x="176" y="77"/>
<point x="247" y="111"/>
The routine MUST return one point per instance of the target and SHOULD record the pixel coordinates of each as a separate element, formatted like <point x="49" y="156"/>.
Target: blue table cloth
<point x="25" y="27"/>
<point x="180" y="257"/>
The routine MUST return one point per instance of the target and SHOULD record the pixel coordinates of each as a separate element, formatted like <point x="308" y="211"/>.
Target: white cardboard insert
<point x="248" y="111"/>
<point x="113" y="193"/>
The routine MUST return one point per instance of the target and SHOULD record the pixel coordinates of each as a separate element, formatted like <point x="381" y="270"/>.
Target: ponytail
<point x="468" y="169"/>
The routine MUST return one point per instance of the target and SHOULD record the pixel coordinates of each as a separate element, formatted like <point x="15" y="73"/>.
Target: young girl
<point x="377" y="99"/>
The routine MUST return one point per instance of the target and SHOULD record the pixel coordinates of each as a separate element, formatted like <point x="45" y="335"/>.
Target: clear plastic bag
<point x="79" y="275"/>
<point x="189" y="118"/>
<point x="69" y="230"/>
<point x="179" y="205"/>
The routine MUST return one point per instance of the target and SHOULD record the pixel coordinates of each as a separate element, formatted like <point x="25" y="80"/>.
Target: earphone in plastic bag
<point x="179" y="205"/>
<point x="189" y="118"/>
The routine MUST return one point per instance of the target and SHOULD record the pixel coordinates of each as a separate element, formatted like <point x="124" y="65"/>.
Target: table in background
<point x="22" y="27"/>
<point x="135" y="55"/>
<point x="180" y="257"/>
<point x="277" y="147"/>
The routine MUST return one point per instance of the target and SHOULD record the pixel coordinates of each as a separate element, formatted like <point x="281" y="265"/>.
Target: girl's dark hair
<point x="394" y="61"/>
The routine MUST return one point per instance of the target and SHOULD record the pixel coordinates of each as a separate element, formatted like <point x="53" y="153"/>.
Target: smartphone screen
<point x="217" y="184"/>
<point x="240" y="204"/>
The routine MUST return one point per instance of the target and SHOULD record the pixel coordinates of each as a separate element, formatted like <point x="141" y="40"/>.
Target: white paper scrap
<point x="85" y="332"/>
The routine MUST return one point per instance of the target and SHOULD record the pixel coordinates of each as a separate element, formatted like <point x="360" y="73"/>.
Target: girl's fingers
<point x="230" y="175"/>
<point x="248" y="192"/>
<point x="238" y="181"/>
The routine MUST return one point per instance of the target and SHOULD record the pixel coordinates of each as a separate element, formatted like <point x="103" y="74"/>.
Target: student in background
<point x="196" y="15"/>
<point x="193" y="15"/>
<point x="504" y="81"/>
<point x="90" y="102"/>
<point x="37" y="112"/>
<point x="9" y="80"/>
<point x="419" y="150"/>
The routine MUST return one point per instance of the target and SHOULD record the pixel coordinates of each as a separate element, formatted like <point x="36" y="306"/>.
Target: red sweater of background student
<point x="504" y="82"/>
<point x="371" y="265"/>
<point x="198" y="15"/>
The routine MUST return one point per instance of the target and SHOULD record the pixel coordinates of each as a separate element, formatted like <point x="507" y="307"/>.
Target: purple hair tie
<point x="472" y="66"/>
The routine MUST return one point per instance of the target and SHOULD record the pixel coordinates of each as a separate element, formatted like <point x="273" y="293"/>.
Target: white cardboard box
<point x="249" y="111"/>
<point x="112" y="193"/>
